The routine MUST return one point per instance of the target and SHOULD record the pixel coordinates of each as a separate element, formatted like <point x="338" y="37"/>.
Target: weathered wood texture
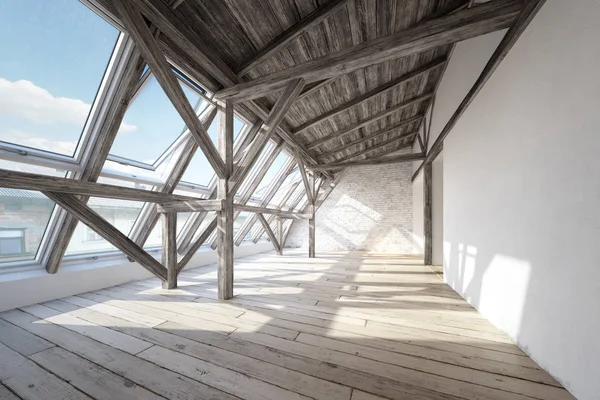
<point x="373" y="161"/>
<point x="464" y="24"/>
<point x="271" y="211"/>
<point x="428" y="214"/>
<point x="151" y="52"/>
<point x="86" y="215"/>
<point x="274" y="240"/>
<point x="169" y="249"/>
<point x="297" y="329"/>
<point x="225" y="215"/>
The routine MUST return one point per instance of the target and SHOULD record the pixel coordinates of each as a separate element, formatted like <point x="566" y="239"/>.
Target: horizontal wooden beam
<point x="373" y="161"/>
<point x="385" y="113"/>
<point x="368" y="149"/>
<point x="29" y="181"/>
<point x="386" y="87"/>
<point x="458" y="26"/>
<point x="283" y="40"/>
<point x="373" y="136"/>
<point x="190" y="206"/>
<point x="112" y="235"/>
<point x="272" y="211"/>
<point x="505" y="45"/>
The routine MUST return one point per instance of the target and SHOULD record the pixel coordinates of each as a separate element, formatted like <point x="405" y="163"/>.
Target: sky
<point x="53" y="55"/>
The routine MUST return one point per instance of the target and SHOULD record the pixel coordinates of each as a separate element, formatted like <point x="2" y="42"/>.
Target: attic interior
<point x="299" y="199"/>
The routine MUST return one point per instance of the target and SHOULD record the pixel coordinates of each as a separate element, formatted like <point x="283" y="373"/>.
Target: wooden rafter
<point x="505" y="45"/>
<point x="152" y="53"/>
<point x="283" y="40"/>
<point x="375" y="135"/>
<point x="89" y="217"/>
<point x="365" y="122"/>
<point x="386" y="87"/>
<point x="396" y="139"/>
<point x="462" y="25"/>
<point x="372" y="161"/>
<point x="304" y="175"/>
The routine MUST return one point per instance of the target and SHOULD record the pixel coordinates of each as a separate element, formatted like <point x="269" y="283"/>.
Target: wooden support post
<point x="169" y="249"/>
<point x="427" y="214"/>
<point x="225" y="216"/>
<point x="280" y="235"/>
<point x="311" y="221"/>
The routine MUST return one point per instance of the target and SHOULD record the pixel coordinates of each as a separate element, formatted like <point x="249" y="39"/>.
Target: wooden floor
<point x="342" y="326"/>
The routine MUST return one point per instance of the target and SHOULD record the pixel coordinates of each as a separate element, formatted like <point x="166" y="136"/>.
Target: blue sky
<point x="53" y="54"/>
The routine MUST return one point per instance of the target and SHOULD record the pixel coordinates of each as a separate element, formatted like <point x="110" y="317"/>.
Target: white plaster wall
<point x="370" y="209"/>
<point x="29" y="287"/>
<point x="522" y="191"/>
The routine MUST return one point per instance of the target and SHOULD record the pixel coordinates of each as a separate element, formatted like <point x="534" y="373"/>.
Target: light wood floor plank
<point x="6" y="394"/>
<point x="30" y="381"/>
<point x="342" y="326"/>
<point x="301" y="383"/>
<point x="90" y="378"/>
<point x="20" y="340"/>
<point x="148" y="375"/>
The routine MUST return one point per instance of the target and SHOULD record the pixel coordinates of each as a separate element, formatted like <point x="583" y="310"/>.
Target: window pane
<point x="119" y="213"/>
<point x="24" y="212"/>
<point x="271" y="174"/>
<point x="293" y="177"/>
<point x="53" y="55"/>
<point x="200" y="172"/>
<point x="151" y="124"/>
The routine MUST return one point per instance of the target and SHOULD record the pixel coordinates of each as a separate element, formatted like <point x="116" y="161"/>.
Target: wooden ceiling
<point x="348" y="115"/>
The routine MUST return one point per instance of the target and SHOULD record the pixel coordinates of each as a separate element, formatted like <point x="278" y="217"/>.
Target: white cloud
<point x="26" y="100"/>
<point x="127" y="128"/>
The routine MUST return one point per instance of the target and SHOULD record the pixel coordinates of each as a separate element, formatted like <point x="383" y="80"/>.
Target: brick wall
<point x="370" y="209"/>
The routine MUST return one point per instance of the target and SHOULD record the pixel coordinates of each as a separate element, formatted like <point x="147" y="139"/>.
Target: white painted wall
<point x="522" y="193"/>
<point x="29" y="287"/>
<point x="370" y="209"/>
<point x="418" y="234"/>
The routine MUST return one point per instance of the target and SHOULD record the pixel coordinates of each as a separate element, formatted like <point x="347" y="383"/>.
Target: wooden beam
<point x="305" y="180"/>
<point x="372" y="161"/>
<point x="283" y="40"/>
<point x="225" y="216"/>
<point x="191" y="206"/>
<point x="152" y="53"/>
<point x="185" y="259"/>
<point x="95" y="152"/>
<point x="427" y="215"/>
<point x="169" y="249"/>
<point x="269" y="231"/>
<point x="143" y="231"/>
<point x="374" y="118"/>
<point x="371" y="94"/>
<point x="312" y="213"/>
<point x="375" y="135"/>
<point x="280" y="238"/>
<point x="94" y="221"/>
<point x="368" y="149"/>
<point x="458" y="26"/>
<point x="272" y="211"/>
<point x="29" y="181"/>
<point x="505" y="45"/>
<point x="313" y="87"/>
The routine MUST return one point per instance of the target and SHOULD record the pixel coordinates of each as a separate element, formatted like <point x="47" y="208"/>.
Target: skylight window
<point x="151" y="123"/>
<point x="53" y="55"/>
